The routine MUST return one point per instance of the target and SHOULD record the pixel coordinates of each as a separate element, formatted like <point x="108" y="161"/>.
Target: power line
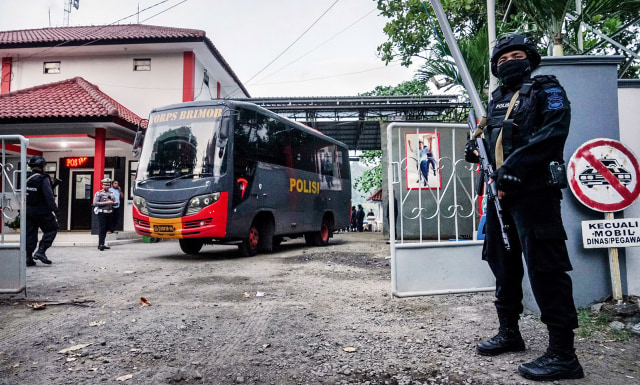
<point x="294" y="42"/>
<point x="159" y="13"/>
<point x="318" y="46"/>
<point x="328" y="77"/>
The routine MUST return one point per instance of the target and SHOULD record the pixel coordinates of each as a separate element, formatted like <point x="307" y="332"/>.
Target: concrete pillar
<point x="629" y="100"/>
<point x="591" y="83"/>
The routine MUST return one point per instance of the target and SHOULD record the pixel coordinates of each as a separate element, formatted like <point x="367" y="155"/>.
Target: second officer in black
<point x="42" y="212"/>
<point x="525" y="133"/>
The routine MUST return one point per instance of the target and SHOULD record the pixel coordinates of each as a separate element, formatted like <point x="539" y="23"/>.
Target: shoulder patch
<point x="555" y="98"/>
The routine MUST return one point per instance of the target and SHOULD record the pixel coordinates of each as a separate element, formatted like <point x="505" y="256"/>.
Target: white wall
<point x="628" y="102"/>
<point x="139" y="91"/>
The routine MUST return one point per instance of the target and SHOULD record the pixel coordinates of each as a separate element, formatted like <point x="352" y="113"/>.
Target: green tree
<point x="412" y="24"/>
<point x="553" y="17"/>
<point x="371" y="180"/>
<point x="409" y="87"/>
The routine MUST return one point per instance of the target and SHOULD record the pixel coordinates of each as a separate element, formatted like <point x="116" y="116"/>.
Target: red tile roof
<point x="110" y="35"/>
<point x="99" y="34"/>
<point x="376" y="196"/>
<point x="71" y="98"/>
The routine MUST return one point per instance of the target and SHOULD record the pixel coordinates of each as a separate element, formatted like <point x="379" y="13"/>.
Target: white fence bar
<point x="424" y="260"/>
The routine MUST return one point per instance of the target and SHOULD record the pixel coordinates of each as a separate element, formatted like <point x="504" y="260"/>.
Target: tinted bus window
<point x="246" y="138"/>
<point x="303" y="151"/>
<point x="273" y="140"/>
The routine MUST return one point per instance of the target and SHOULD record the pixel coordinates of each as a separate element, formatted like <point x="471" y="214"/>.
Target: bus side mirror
<point x="223" y="135"/>
<point x="139" y="139"/>
<point x="137" y="143"/>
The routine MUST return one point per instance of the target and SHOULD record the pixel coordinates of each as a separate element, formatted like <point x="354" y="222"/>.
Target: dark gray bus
<point x="231" y="172"/>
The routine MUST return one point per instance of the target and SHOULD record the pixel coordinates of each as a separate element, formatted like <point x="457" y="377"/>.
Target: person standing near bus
<point x="115" y="213"/>
<point x="103" y="202"/>
<point x="42" y="212"/>
<point x="354" y="219"/>
<point x="360" y="218"/>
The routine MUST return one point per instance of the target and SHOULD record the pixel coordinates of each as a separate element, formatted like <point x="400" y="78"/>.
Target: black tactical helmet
<point x="37" y="161"/>
<point x="512" y="43"/>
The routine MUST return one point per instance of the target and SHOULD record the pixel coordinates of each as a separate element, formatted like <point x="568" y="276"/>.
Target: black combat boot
<point x="42" y="257"/>
<point x="559" y="362"/>
<point x="508" y="338"/>
<point x="30" y="261"/>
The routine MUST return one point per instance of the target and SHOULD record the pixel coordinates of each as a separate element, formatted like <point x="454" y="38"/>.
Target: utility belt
<point x="98" y="210"/>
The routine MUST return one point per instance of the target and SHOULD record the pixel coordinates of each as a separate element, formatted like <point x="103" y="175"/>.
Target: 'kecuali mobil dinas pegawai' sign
<point x="611" y="233"/>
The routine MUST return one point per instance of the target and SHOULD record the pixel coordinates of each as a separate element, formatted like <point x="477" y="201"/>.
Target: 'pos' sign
<point x="603" y="175"/>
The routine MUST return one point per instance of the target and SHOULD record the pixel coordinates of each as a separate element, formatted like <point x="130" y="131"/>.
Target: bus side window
<point x="343" y="163"/>
<point x="303" y="151"/>
<point x="273" y="138"/>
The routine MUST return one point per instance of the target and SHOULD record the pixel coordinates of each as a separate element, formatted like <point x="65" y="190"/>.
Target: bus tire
<point x="191" y="246"/>
<point x="319" y="238"/>
<point x="324" y="234"/>
<point x="249" y="245"/>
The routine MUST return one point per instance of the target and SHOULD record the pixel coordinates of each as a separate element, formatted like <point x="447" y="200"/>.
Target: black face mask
<point x="513" y="72"/>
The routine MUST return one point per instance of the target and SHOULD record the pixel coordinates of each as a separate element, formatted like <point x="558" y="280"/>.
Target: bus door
<point x="244" y="202"/>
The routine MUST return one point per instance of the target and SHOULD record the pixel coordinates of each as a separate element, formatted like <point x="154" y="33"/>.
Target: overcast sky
<point x="335" y="57"/>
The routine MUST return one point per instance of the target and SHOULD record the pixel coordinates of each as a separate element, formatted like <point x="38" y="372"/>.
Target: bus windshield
<point x="182" y="148"/>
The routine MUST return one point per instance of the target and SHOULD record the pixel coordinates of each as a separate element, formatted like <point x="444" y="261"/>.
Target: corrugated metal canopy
<point x="355" y="120"/>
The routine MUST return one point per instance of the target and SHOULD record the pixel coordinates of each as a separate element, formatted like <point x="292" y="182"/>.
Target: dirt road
<point x="297" y="316"/>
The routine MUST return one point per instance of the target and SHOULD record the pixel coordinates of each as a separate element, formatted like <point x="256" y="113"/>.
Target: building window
<point x="51" y="67"/>
<point x="142" y="64"/>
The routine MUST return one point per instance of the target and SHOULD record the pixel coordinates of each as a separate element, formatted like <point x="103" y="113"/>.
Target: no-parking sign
<point x="603" y="175"/>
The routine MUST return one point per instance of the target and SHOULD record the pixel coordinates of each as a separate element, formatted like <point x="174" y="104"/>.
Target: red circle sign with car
<point x="603" y="175"/>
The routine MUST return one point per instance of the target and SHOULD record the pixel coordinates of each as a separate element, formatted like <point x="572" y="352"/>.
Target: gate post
<point x="13" y="180"/>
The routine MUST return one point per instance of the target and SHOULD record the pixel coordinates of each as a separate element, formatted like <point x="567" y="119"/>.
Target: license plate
<point x="163" y="228"/>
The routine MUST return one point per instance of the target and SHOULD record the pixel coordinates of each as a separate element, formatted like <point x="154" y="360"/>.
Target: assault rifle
<point x="486" y="170"/>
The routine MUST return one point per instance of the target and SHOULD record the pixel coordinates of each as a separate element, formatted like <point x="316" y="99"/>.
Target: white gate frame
<point x="13" y="274"/>
<point x="421" y="268"/>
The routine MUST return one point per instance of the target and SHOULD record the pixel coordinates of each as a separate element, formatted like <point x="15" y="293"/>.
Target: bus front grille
<point x="165" y="209"/>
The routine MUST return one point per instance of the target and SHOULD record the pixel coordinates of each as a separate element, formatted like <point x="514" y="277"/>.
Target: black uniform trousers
<point x="535" y="230"/>
<point x="47" y="223"/>
<point x="103" y="221"/>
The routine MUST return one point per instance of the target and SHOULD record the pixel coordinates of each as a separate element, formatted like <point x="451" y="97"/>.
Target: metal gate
<point x="422" y="262"/>
<point x="13" y="181"/>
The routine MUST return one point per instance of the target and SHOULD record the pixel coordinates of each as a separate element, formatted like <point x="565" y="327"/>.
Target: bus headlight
<point x="140" y="204"/>
<point x="201" y="201"/>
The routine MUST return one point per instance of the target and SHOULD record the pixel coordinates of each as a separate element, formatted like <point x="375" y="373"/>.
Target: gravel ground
<point x="301" y="315"/>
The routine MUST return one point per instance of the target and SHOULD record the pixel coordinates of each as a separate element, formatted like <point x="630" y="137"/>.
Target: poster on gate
<point x="422" y="154"/>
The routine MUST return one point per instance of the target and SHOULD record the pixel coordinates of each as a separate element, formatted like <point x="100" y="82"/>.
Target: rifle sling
<point x="499" y="147"/>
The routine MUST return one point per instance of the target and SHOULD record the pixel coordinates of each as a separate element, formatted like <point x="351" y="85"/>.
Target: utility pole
<point x="67" y="10"/>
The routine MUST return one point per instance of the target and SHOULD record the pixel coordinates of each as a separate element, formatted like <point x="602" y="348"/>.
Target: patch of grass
<point x="598" y="324"/>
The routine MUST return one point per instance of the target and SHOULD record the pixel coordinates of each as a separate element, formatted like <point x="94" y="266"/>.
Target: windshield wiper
<point x="150" y="178"/>
<point x="186" y="176"/>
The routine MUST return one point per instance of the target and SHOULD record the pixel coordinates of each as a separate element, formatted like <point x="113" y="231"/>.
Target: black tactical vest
<point x="35" y="195"/>
<point x="523" y="116"/>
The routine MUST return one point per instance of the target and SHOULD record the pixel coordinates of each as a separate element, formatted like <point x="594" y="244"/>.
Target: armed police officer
<point x="42" y="212"/>
<point x="103" y="202"/>
<point x="526" y="128"/>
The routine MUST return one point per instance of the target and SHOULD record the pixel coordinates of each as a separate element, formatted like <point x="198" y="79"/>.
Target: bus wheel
<point x="191" y="246"/>
<point x="277" y="240"/>
<point x="249" y="245"/>
<point x="319" y="238"/>
<point x="324" y="234"/>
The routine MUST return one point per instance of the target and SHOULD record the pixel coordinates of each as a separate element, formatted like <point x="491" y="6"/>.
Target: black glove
<point x="469" y="154"/>
<point x="506" y="180"/>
